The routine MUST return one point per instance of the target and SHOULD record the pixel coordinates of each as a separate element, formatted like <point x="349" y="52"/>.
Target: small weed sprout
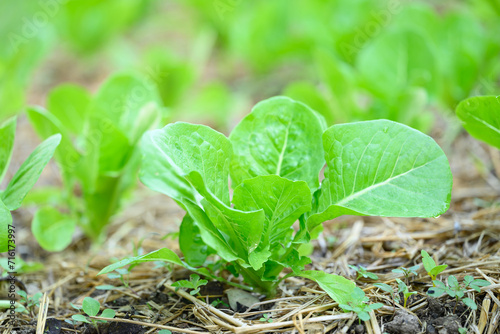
<point x="218" y="302"/>
<point x="457" y="291"/>
<point x="407" y="272"/>
<point x="194" y="283"/>
<point x="122" y="274"/>
<point x="91" y="307"/>
<point x="266" y="317"/>
<point x="431" y="267"/>
<point x="388" y="288"/>
<point x="31" y="302"/>
<point x="362" y="272"/>
<point x="359" y="305"/>
<point x="402" y="287"/>
<point x="164" y="331"/>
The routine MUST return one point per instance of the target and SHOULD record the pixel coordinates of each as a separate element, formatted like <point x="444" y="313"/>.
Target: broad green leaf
<point x="243" y="229"/>
<point x="279" y="137"/>
<point x="5" y="221"/>
<point x="428" y="261"/>
<point x="337" y="287"/>
<point x="108" y="313"/>
<point x="283" y="201"/>
<point x="258" y="257"/>
<point x="46" y="125"/>
<point x="81" y="318"/>
<point x="295" y="261"/>
<point x="52" y="229"/>
<point x="397" y="60"/>
<point x="69" y="104"/>
<point x="191" y="244"/>
<point x="91" y="306"/>
<point x="382" y="168"/>
<point x="452" y="281"/>
<point x="480" y="116"/>
<point x="438" y="269"/>
<point x="180" y="148"/>
<point x="7" y="134"/>
<point x="470" y="303"/>
<point x="106" y="146"/>
<point x="121" y="98"/>
<point x="163" y="254"/>
<point x="209" y="233"/>
<point x="27" y="175"/>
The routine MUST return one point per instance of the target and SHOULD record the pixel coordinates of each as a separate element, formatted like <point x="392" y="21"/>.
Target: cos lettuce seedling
<point x="274" y="157"/>
<point x="24" y="179"/>
<point x="98" y="154"/>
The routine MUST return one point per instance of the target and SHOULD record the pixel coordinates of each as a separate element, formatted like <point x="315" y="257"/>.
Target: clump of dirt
<point x="441" y="317"/>
<point x="403" y="323"/>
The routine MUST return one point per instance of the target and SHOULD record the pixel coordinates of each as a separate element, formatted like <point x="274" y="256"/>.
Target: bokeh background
<point x="409" y="61"/>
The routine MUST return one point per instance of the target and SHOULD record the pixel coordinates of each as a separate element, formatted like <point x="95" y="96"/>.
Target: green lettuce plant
<point x="22" y="181"/>
<point x="98" y="155"/>
<point x="274" y="157"/>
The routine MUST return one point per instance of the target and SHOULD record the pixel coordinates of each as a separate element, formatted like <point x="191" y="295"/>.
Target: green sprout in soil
<point x="362" y="272"/>
<point x="194" y="283"/>
<point x="457" y="291"/>
<point x="218" y="302"/>
<point x="403" y="288"/>
<point x="431" y="267"/>
<point x="91" y="307"/>
<point x="30" y="302"/>
<point x="266" y="317"/>
<point x="359" y="305"/>
<point x="388" y="288"/>
<point x="407" y="272"/>
<point x="164" y="331"/>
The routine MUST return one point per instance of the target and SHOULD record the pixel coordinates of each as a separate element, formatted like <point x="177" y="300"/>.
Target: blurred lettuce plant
<point x="98" y="154"/>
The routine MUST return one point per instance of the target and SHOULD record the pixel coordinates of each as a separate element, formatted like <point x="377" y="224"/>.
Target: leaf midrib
<point x="282" y="153"/>
<point x="373" y="186"/>
<point x="486" y="123"/>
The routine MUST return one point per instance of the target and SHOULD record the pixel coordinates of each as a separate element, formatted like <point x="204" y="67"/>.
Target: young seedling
<point x="431" y="267"/>
<point x="30" y="302"/>
<point x="407" y="272"/>
<point x="403" y="288"/>
<point x="457" y="291"/>
<point x="122" y="274"/>
<point x="362" y="272"/>
<point x="194" y="283"/>
<point x="218" y="302"/>
<point x="266" y="317"/>
<point x="388" y="288"/>
<point x="91" y="307"/>
<point x="164" y="331"/>
<point x="359" y="305"/>
<point x="274" y="157"/>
